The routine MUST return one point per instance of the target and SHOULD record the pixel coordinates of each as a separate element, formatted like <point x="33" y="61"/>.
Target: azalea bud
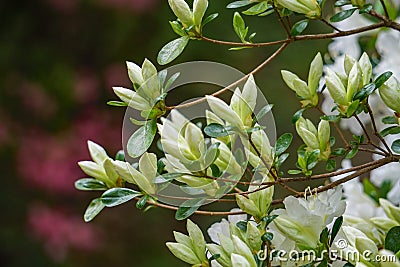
<point x="304" y="238"/>
<point x="198" y="242"/>
<point x="315" y="73"/>
<point x="384" y="223"/>
<point x="247" y="205"/>
<point x="366" y="68"/>
<point x="253" y="237"/>
<point x="391" y="211"/>
<point x="183" y="253"/>
<point x="349" y="62"/>
<point x="336" y="88"/>
<point x="182" y="11"/>
<point x="98" y="154"/>
<point x="150" y="85"/>
<point x="132" y="98"/>
<point x="390" y="94"/>
<point x="310" y="8"/>
<point x="243" y="250"/>
<point x="238" y="260"/>
<point x="199" y="8"/>
<point x="354" y="81"/>
<point x="134" y="73"/>
<point x="324" y="134"/>
<point x="307" y="133"/>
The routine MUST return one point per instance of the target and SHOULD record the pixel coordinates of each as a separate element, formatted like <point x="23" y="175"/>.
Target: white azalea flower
<point x="222" y="227"/>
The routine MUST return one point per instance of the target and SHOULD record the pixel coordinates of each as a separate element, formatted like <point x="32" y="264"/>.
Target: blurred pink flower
<point x="136" y="6"/>
<point x="34" y="98"/>
<point x="60" y="232"/>
<point x="87" y="87"/>
<point x="50" y="162"/>
<point x="63" y="5"/>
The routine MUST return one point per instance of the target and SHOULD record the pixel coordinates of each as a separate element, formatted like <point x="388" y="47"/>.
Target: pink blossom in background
<point x="135" y="6"/>
<point x="117" y="75"/>
<point x="34" y="98"/>
<point x="87" y="86"/>
<point x="50" y="162"/>
<point x="63" y="5"/>
<point x="61" y="232"/>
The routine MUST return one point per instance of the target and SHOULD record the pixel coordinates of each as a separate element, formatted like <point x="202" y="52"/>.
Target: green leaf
<point x="188" y="207"/>
<point x="396" y="146"/>
<point x="239" y="26"/>
<point x="390" y="120"/>
<point x="331" y="165"/>
<point x="312" y="159"/>
<point x="120" y="155"/>
<point x="117" y="196"/>
<point x="294" y="171"/>
<point x="94" y="208"/>
<point x="215" y="170"/>
<point x="177" y="28"/>
<point x="87" y="184"/>
<point x="365" y="91"/>
<point x="331" y="118"/>
<point x="238" y="4"/>
<point x="297" y="115"/>
<point x="370" y="190"/>
<point x="242" y="225"/>
<point x="283" y="143"/>
<point x="342" y="3"/>
<point x="208" y="19"/>
<point x="323" y="237"/>
<point x="352" y="153"/>
<point x="335" y="228"/>
<point x="266" y="13"/>
<point x="267" y="237"/>
<point x="392" y="240"/>
<point x="339" y="152"/>
<point x="212" y="154"/>
<point x="167" y="177"/>
<point x="216" y="130"/>
<point x="257" y="9"/>
<point x="282" y="158"/>
<point x="342" y="15"/>
<point x="171" y="81"/>
<point x="142" y="202"/>
<point x="382" y="78"/>
<point x="117" y="103"/>
<point x="352" y="108"/>
<point x="365" y="9"/>
<point x="390" y="130"/>
<point x="299" y="27"/>
<point x="384" y="189"/>
<point x="268" y="219"/>
<point x="172" y="50"/>
<point x="262" y="113"/>
<point x="141" y="140"/>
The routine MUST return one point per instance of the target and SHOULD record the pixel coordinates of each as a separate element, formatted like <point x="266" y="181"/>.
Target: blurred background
<point x="58" y="62"/>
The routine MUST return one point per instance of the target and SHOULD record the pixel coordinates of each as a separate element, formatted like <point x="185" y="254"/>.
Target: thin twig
<point x="234" y="84"/>
<point x="330" y="25"/>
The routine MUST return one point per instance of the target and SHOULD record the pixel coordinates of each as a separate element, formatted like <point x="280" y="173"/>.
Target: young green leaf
<point x="172" y="50"/>
<point x="389" y="120"/>
<point x="382" y="78"/>
<point x="392" y="239"/>
<point x="342" y="15"/>
<point x="342" y="3"/>
<point x="335" y="229"/>
<point x="208" y="19"/>
<point x="117" y="103"/>
<point x="331" y="165"/>
<point x="262" y="113"/>
<point x="117" y="196"/>
<point x="257" y="9"/>
<point x="339" y="151"/>
<point x="177" y="28"/>
<point x="240" y="27"/>
<point x="299" y="27"/>
<point x="216" y="130"/>
<point x="87" y="184"/>
<point x="283" y="143"/>
<point x="297" y="115"/>
<point x="238" y="4"/>
<point x="390" y="130"/>
<point x="94" y="208"/>
<point x="141" y="140"/>
<point x="396" y="146"/>
<point x="352" y="153"/>
<point x="331" y="118"/>
<point x="188" y="207"/>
